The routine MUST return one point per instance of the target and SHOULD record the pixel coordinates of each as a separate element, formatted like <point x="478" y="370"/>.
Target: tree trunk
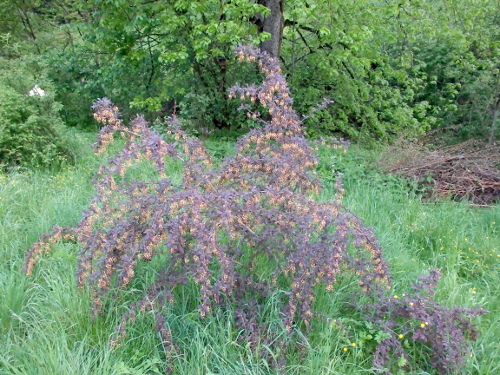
<point x="273" y="24"/>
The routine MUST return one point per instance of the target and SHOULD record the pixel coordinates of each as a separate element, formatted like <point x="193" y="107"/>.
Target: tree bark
<point x="273" y="24"/>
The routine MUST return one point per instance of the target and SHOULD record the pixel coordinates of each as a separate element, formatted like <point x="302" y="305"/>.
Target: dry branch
<point x="469" y="170"/>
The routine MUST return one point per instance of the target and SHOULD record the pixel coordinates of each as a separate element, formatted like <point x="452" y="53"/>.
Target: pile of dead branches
<point x="469" y="170"/>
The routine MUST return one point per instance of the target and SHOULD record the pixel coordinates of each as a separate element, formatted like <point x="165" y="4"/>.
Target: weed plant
<point x="248" y="244"/>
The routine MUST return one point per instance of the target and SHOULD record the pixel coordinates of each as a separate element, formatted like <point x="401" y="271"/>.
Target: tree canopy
<point x="394" y="67"/>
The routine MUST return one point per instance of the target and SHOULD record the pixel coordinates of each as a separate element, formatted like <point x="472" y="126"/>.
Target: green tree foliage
<point x="397" y="67"/>
<point x="36" y="26"/>
<point x="49" y="30"/>
<point x="158" y="54"/>
<point x="393" y="67"/>
<point x="342" y="56"/>
<point x="455" y="45"/>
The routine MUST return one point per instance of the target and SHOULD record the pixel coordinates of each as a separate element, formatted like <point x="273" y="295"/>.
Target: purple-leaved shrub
<point x="441" y="331"/>
<point x="219" y="224"/>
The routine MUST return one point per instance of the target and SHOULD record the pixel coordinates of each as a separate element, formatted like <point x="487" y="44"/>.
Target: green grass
<point x="45" y="326"/>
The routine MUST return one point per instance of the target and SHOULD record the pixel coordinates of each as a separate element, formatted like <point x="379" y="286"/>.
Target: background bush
<point x="31" y="129"/>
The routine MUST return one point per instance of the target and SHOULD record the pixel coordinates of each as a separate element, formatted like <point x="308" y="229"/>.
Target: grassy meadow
<point x="45" y="326"/>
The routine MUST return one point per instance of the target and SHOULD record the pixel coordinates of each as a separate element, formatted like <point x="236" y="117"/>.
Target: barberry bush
<point x="415" y="320"/>
<point x="238" y="230"/>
